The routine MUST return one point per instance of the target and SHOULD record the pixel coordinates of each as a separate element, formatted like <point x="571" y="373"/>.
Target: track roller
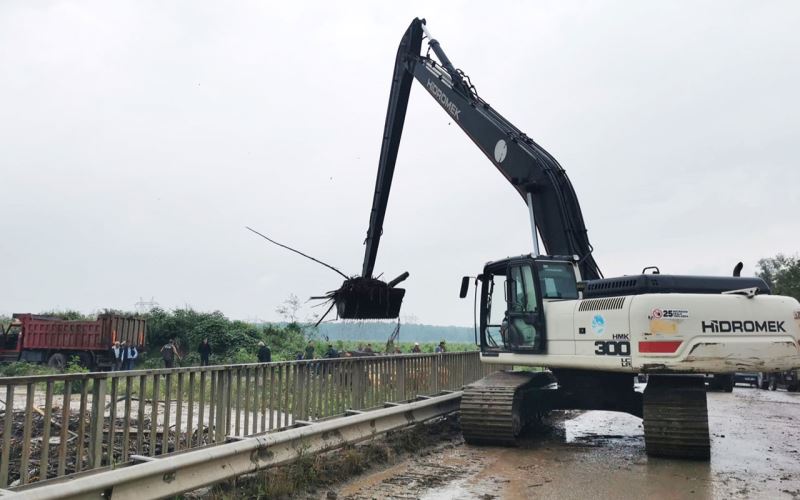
<point x="676" y="417"/>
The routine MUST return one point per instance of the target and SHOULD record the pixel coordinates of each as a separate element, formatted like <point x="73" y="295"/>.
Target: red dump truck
<point x="45" y="339"/>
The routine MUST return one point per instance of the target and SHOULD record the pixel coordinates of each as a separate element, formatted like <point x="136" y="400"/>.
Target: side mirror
<point x="464" y="287"/>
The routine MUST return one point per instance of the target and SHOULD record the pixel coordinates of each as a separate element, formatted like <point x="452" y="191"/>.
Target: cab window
<point x="557" y="280"/>
<point x="519" y="330"/>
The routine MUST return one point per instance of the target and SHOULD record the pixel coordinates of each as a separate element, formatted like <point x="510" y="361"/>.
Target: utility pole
<point x="144" y="306"/>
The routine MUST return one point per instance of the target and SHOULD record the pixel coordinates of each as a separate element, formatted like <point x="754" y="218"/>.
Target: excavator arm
<point x="531" y="170"/>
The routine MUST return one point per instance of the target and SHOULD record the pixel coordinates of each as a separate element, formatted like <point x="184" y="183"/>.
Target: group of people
<point x="169" y="352"/>
<point x="124" y="355"/>
<point x="362" y="349"/>
<point x="204" y="349"/>
<point x="308" y="352"/>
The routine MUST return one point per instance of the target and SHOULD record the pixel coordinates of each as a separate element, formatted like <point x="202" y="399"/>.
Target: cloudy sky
<point x="137" y="139"/>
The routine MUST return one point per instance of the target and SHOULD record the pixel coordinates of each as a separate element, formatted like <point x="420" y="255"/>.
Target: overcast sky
<point x="137" y="139"/>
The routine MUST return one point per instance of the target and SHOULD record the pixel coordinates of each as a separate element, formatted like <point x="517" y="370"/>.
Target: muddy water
<point x="755" y="454"/>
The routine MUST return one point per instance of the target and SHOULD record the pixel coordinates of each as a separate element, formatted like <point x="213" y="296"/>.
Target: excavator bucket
<point x="363" y="298"/>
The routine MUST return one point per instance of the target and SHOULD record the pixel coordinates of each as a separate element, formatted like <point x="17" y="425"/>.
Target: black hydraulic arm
<point x="392" y="130"/>
<point x="525" y="164"/>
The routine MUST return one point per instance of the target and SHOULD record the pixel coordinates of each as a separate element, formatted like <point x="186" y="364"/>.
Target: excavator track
<point x="676" y="417"/>
<point x="496" y="408"/>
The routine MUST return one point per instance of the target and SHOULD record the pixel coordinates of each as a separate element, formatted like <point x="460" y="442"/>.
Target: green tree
<point x="231" y="340"/>
<point x="70" y="315"/>
<point x="782" y="274"/>
<point x="190" y="327"/>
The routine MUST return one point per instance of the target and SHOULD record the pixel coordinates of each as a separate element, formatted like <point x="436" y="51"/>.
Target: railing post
<point x="222" y="404"/>
<point x="363" y="383"/>
<point x="96" y="425"/>
<point x="8" y="421"/>
<point x="400" y="368"/>
<point x="435" y="375"/>
<point x="44" y="459"/>
<point x="24" y="462"/>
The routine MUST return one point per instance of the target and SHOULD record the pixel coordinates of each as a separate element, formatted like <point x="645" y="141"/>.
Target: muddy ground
<point x="755" y="439"/>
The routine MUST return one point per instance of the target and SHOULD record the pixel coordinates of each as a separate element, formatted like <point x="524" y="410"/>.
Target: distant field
<point x="379" y="331"/>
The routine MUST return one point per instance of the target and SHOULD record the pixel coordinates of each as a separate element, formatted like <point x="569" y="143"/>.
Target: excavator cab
<point x="512" y="297"/>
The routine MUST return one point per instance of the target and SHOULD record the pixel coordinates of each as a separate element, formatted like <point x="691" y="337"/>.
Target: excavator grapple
<point x="363" y="298"/>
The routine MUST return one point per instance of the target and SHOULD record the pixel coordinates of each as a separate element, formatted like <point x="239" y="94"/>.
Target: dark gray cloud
<point x="138" y="138"/>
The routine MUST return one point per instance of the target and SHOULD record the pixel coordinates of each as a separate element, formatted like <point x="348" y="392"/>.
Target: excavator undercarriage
<point x="496" y="409"/>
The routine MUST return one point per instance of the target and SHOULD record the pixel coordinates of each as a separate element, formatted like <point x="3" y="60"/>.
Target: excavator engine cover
<point x="362" y="298"/>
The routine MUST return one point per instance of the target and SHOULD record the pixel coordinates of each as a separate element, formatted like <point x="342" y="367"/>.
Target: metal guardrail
<point x="110" y="416"/>
<point x="189" y="470"/>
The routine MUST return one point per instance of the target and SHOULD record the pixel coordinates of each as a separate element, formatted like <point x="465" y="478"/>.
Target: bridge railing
<point x="54" y="425"/>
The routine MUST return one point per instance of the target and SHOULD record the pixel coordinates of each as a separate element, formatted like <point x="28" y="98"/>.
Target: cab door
<point x="525" y="329"/>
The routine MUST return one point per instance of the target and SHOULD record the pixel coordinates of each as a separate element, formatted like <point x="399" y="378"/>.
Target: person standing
<point x="122" y="363"/>
<point x="205" y="352"/>
<point x="115" y="353"/>
<point x="416" y="349"/>
<point x="133" y="353"/>
<point x="309" y="354"/>
<point x="369" y="350"/>
<point x="331" y="352"/>
<point x="264" y="353"/>
<point x="169" y="352"/>
<point x="441" y="348"/>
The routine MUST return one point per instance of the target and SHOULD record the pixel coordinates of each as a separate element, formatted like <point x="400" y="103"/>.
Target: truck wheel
<point x="86" y="360"/>
<point x="792" y="388"/>
<point x="57" y="361"/>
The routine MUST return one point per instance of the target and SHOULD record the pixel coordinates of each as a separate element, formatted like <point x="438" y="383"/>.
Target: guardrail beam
<point x="171" y="475"/>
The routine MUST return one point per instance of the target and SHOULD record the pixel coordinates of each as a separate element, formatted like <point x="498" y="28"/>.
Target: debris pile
<point x="73" y="433"/>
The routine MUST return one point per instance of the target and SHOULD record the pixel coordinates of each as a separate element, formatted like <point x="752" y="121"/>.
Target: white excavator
<point x="557" y="311"/>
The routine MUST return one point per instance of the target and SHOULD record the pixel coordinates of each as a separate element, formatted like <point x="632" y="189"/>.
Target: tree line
<point x="235" y="341"/>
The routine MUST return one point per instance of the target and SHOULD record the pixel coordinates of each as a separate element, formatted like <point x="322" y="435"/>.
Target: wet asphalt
<point x="755" y="453"/>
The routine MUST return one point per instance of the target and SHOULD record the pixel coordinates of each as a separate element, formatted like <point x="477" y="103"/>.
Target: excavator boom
<point x="526" y="165"/>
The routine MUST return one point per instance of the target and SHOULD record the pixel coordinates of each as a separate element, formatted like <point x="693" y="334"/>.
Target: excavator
<point x="555" y="310"/>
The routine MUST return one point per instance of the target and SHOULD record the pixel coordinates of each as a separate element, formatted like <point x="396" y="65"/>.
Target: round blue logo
<point x="598" y="324"/>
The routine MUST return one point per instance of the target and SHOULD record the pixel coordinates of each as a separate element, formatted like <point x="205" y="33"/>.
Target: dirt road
<point x="755" y="454"/>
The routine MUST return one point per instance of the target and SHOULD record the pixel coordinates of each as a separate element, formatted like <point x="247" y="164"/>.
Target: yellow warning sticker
<point x="663" y="326"/>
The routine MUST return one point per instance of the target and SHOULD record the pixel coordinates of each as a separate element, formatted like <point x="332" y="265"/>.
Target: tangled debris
<point x="164" y="444"/>
<point x="359" y="297"/>
<point x="367" y="298"/>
